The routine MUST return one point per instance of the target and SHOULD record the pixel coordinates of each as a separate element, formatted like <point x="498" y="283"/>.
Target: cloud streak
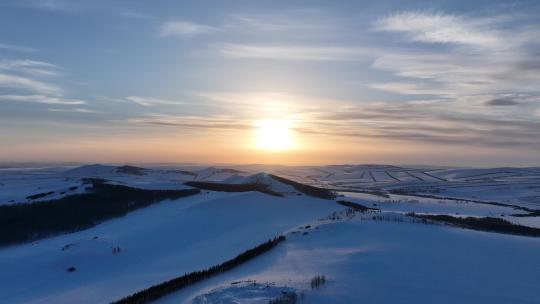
<point x="53" y="5"/>
<point x="23" y="79"/>
<point x="42" y="99"/>
<point x="135" y="15"/>
<point x="504" y="101"/>
<point x="484" y="58"/>
<point x="151" y="101"/>
<point x="76" y="110"/>
<point x="293" y="52"/>
<point x="440" y="28"/>
<point x="13" y="81"/>
<point x="185" y="29"/>
<point x="17" y="48"/>
<point x="32" y="67"/>
<point x="428" y="124"/>
<point x="411" y="122"/>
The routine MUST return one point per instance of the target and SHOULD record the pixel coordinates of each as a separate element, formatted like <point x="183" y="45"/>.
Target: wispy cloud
<point x="27" y="74"/>
<point x="412" y="88"/>
<point x="441" y="28"/>
<point x="26" y="66"/>
<point x="76" y="110"/>
<point x="150" y="101"/>
<point x="205" y="122"/>
<point x="135" y="15"/>
<point x="290" y="22"/>
<point x="53" y="5"/>
<point x="13" y="81"/>
<point x="33" y="81"/>
<point x="42" y="99"/>
<point x="17" y="48"/>
<point x="293" y="52"/>
<point x="10" y="64"/>
<point x="428" y="123"/>
<point x="438" y="121"/>
<point x="185" y="29"/>
<point x="484" y="56"/>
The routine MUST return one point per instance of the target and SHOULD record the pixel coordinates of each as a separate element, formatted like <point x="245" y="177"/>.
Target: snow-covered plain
<point x="365" y="261"/>
<point x="519" y="186"/>
<point x="404" y="203"/>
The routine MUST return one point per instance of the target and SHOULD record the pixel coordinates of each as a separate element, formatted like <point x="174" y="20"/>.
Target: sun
<point x="273" y="135"/>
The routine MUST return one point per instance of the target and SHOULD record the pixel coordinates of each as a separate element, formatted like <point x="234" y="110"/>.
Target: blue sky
<point x="447" y="82"/>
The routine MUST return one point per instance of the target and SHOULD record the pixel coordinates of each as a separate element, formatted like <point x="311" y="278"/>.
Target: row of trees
<point x="165" y="288"/>
<point x="356" y="206"/>
<point x="39" y="195"/>
<point x="492" y="224"/>
<point x="318" y="281"/>
<point x="411" y="192"/>
<point x="306" y="189"/>
<point x="233" y="187"/>
<point x="287" y="298"/>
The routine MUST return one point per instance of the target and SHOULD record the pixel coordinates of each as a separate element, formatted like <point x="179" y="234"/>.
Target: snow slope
<point x="156" y="244"/>
<point x="368" y="261"/>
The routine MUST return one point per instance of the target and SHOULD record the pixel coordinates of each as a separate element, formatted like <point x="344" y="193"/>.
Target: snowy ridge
<point x="263" y="179"/>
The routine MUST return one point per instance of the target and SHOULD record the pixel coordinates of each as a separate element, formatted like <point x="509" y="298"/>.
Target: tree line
<point x="306" y="189"/>
<point x="223" y="187"/>
<point x="157" y="291"/>
<point x="491" y="224"/>
<point x="356" y="206"/>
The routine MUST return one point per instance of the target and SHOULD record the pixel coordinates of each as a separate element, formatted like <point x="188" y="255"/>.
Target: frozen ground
<point x="365" y="261"/>
<point x="156" y="244"/>
<point x="519" y="186"/>
<point x="368" y="261"/>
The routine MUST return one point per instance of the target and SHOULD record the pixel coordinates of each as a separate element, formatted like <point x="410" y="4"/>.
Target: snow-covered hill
<point x="156" y="244"/>
<point x="383" y="256"/>
<point x="519" y="186"/>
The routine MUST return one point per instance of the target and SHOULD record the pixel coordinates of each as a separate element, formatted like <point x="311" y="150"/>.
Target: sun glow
<point x="273" y="135"/>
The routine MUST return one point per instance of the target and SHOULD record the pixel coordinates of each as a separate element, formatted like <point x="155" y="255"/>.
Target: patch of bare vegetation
<point x="287" y="298"/>
<point x="318" y="281"/>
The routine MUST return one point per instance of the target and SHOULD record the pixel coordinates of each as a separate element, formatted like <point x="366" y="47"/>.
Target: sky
<point x="395" y="82"/>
